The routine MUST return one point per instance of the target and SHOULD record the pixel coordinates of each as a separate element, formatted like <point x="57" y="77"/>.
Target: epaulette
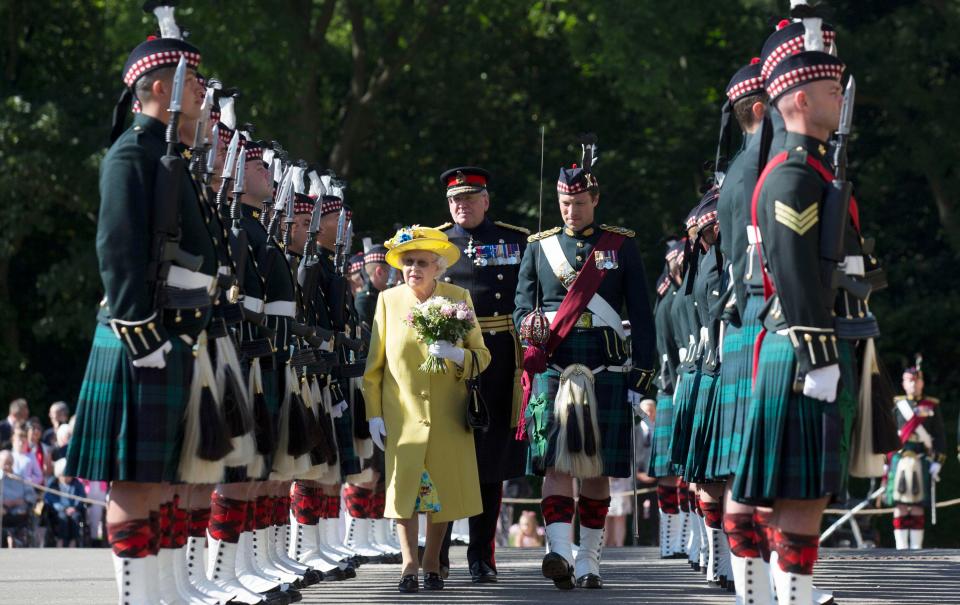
<point x="511" y="227"/>
<point x="932" y="400"/>
<point x="543" y="234"/>
<point x="618" y="230"/>
<point x="444" y="226"/>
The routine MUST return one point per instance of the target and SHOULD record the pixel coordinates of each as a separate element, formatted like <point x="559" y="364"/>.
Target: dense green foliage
<point x="391" y="92"/>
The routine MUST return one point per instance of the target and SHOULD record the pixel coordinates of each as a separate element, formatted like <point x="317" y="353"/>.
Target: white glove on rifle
<point x="378" y="430"/>
<point x="447" y="350"/>
<point x="935" y="470"/>
<point x="821" y="383"/>
<point x="156" y="360"/>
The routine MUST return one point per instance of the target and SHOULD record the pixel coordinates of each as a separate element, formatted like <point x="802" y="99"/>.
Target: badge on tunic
<point x="606" y="259"/>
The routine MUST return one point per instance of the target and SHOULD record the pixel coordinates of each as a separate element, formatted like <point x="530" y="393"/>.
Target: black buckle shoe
<point x="590" y="580"/>
<point x="432" y="581"/>
<point x="482" y="573"/>
<point x="556" y="568"/>
<point x="409" y="583"/>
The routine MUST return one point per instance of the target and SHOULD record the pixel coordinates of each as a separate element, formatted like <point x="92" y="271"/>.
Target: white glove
<point x="337" y="410"/>
<point x="156" y="360"/>
<point x="935" y="470"/>
<point x="446" y="350"/>
<point x="378" y="431"/>
<point x="822" y="383"/>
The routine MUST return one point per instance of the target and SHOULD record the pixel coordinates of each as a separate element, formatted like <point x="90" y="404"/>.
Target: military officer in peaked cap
<point x="491" y="252"/>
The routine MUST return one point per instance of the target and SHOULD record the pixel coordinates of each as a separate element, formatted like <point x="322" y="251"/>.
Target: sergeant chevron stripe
<point x="801" y="222"/>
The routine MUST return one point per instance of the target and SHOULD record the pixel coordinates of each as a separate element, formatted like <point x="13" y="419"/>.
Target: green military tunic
<point x="129" y="420"/>
<point x="660" y="465"/>
<point x="743" y="324"/>
<point x="707" y="300"/>
<point x="350" y="463"/>
<point x="687" y="325"/>
<point x="795" y="446"/>
<point x="624" y="288"/>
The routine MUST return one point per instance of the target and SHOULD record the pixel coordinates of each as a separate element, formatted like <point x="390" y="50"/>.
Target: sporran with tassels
<point x="578" y="438"/>
<point x="206" y="440"/>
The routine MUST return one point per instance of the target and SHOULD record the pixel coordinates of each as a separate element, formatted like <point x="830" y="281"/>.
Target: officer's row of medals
<point x="509" y="254"/>
<point x="492" y="254"/>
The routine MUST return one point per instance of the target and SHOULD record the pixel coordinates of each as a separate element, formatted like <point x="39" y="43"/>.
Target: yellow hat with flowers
<point x="408" y="239"/>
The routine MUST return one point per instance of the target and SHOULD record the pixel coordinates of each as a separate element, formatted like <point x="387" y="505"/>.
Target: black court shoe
<point x="556" y="568"/>
<point x="432" y="581"/>
<point x="409" y="583"/>
<point x="590" y="580"/>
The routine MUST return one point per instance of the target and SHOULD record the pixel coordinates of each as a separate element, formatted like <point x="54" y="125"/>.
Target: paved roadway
<point x="632" y="575"/>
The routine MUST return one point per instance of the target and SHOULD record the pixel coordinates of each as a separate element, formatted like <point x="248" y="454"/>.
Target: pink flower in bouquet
<point x="449" y="311"/>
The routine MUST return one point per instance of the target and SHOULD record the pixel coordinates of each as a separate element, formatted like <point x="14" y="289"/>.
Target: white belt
<point x="178" y="277"/>
<point x="252" y="304"/>
<point x="598" y="369"/>
<point x="853" y="265"/>
<point x="597" y="321"/>
<point x="753" y="235"/>
<point x="286" y="308"/>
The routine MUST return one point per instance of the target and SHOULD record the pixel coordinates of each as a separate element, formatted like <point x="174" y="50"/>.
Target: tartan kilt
<point x="614" y="413"/>
<point x="733" y="395"/>
<point x="794" y="446"/>
<point x="684" y="403"/>
<point x="129" y="423"/>
<point x="694" y="469"/>
<point x="660" y="465"/>
<point x="890" y="491"/>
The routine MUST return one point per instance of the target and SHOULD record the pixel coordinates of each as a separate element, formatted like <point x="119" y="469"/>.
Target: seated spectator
<point x="527" y="533"/>
<point x="17" y="507"/>
<point x="25" y="464"/>
<point x="64" y="433"/>
<point x="59" y="416"/>
<point x="38" y="449"/>
<point x="68" y="514"/>
<point x="19" y="412"/>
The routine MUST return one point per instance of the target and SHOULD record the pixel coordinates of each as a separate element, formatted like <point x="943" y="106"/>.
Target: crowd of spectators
<point x="33" y="457"/>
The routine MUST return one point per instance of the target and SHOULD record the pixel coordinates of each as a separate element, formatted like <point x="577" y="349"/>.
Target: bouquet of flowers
<point x="436" y="319"/>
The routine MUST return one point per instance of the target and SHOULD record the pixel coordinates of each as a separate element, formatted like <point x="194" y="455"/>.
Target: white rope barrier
<point x="44" y="488"/>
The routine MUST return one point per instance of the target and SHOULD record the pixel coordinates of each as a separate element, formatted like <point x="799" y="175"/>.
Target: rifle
<point x="201" y="140"/>
<point x="836" y="203"/>
<point x="239" y="244"/>
<point x="165" y="243"/>
<point x="227" y="175"/>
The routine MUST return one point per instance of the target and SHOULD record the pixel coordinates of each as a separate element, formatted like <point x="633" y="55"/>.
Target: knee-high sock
<point x="227" y="518"/>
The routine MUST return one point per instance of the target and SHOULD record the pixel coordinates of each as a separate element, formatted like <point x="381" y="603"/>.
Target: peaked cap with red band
<point x="465" y="179"/>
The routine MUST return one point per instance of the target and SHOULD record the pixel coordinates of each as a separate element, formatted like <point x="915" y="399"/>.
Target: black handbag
<point x="478" y="417"/>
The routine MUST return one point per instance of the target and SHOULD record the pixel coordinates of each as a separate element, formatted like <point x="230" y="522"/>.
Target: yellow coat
<point x="424" y="413"/>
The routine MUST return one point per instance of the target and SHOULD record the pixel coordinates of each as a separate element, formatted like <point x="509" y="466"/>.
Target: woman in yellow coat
<point x="422" y="415"/>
